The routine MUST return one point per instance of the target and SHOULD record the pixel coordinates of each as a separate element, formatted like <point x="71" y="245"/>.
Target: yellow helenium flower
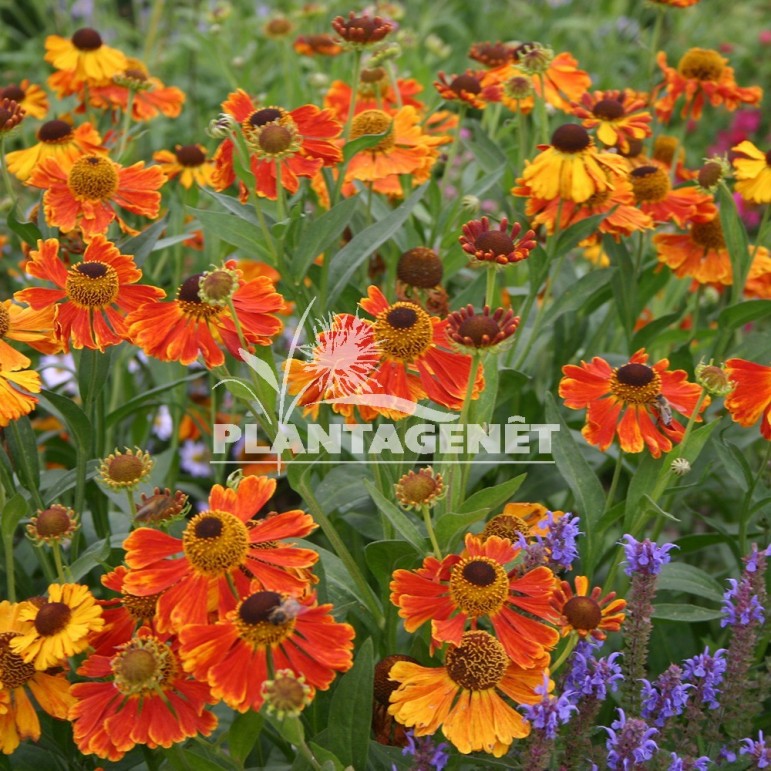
<point x="753" y="173"/>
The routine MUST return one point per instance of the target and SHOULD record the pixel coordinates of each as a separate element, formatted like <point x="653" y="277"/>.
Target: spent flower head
<point x="55" y="524"/>
<point x="714" y="379"/>
<point x="417" y="489"/>
<point x="125" y="470"/>
<point x="287" y="694"/>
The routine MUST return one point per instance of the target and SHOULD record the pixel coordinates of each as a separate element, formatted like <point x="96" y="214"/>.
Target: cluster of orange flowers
<point x="225" y="613"/>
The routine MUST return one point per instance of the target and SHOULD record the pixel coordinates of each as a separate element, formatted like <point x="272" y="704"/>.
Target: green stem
<point x="521" y="138"/>
<point x="572" y="642"/>
<point x="6" y="177"/>
<point x="132" y="504"/>
<point x="431" y="533"/>
<point x="614" y="482"/>
<point x="543" y="117"/>
<point x="352" y="566"/>
<point x="10" y="568"/>
<point x="280" y="198"/>
<point x="655" y="37"/>
<point x="743" y="517"/>
<point x="60" y="572"/>
<point x="492" y="272"/>
<point x="354" y="93"/>
<point x="457" y="482"/>
<point x="454" y="146"/>
<point x="124" y="135"/>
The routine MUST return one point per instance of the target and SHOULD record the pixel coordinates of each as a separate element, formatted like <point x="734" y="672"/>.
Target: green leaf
<point x="69" y="412"/>
<point x="681" y="577"/>
<point x="23" y="452"/>
<point x="350" y="713"/>
<point x="743" y="313"/>
<point x="96" y="555"/>
<point x="93" y="370"/>
<point x="321" y="234"/>
<point x="488" y="153"/>
<point x="454" y="524"/>
<point x="232" y="230"/>
<point x="582" y="480"/>
<point x="28" y="232"/>
<point x="684" y="612"/>
<point x="570" y="238"/>
<point x="645" y="336"/>
<point x="623" y="283"/>
<point x="736" y="241"/>
<point x="243" y="734"/>
<point x="142" y="245"/>
<point x="234" y="206"/>
<point x="364" y="142"/>
<point x="493" y="497"/>
<point x="13" y="511"/>
<point x="383" y="557"/>
<point x="187" y="760"/>
<point x="132" y="404"/>
<point x="346" y="262"/>
<point x="401" y="522"/>
<point x="578" y="294"/>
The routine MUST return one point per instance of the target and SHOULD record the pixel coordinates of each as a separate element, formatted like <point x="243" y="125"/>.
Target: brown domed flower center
<point x="420" y="267"/>
<point x="465" y="84"/>
<point x="215" y="542"/>
<point x="479" y="586"/>
<point x="518" y="87"/>
<point x="134" y="74"/>
<point x="480" y="329"/>
<point x="126" y="468"/>
<point x="5" y="321"/>
<point x="374" y="122"/>
<point x="275" y="139"/>
<point x="86" y="39"/>
<point x="417" y="489"/>
<point x="506" y="526"/>
<point x="53" y="521"/>
<point x="361" y="29"/>
<point x="650" y="184"/>
<point x="403" y="331"/>
<point x="635" y="383"/>
<point x="189" y="298"/>
<point x="13" y="92"/>
<point x="14" y="673"/>
<point x="492" y="54"/>
<point x="708" y="234"/>
<point x="54" y="131"/>
<point x="266" y="115"/>
<point x="140" y="608"/>
<point x="570" y="138"/>
<point x="632" y="149"/>
<point x="218" y="286"/>
<point x="701" y="64"/>
<point x="92" y="284"/>
<point x="478" y="663"/>
<point x="278" y="27"/>
<point x="190" y="155"/>
<point x="608" y="109"/>
<point x="664" y="149"/>
<point x="52" y="618"/>
<point x="582" y="613"/>
<point x="93" y="178"/>
<point x="261" y="621"/>
<point x="144" y="664"/>
<point x="496" y="242"/>
<point x="372" y="75"/>
<point x="384" y="686"/>
<point x="710" y="175"/>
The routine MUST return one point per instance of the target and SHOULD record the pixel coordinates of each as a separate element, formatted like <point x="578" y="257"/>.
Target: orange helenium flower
<point x="588" y="614"/>
<point x="18" y="719"/>
<point x="751" y="396"/>
<point x="59" y="140"/>
<point x="189" y="163"/>
<point x="375" y="93"/>
<point x="92" y="296"/>
<point x="465" y="697"/>
<point x="466" y="88"/>
<point x="753" y="172"/>
<point x="267" y="632"/>
<point x="295" y="144"/>
<point x="627" y="401"/>
<point x="85" y="56"/>
<point x="150" y="96"/>
<point x="87" y="192"/>
<point x="220" y="545"/>
<point x="571" y="167"/>
<point x="25" y="325"/>
<point x="616" y="117"/>
<point x="462" y="589"/>
<point x="142" y="697"/>
<point x="527" y="519"/>
<point x="189" y="326"/>
<point x="16" y="386"/>
<point x="32" y="99"/>
<point x="655" y="197"/>
<point x="701" y="75"/>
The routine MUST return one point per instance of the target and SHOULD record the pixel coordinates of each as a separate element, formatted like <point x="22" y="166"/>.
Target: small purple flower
<point x="741" y="606"/>
<point x="645" y="557"/>
<point x="629" y="743"/>
<point x="427" y="756"/>
<point x="705" y="672"/>
<point x="666" y="697"/>
<point x="550" y="712"/>
<point x="758" y="750"/>
<point x="558" y="548"/>
<point x="590" y="677"/>
<point x="754" y="560"/>
<point x="678" y="764"/>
